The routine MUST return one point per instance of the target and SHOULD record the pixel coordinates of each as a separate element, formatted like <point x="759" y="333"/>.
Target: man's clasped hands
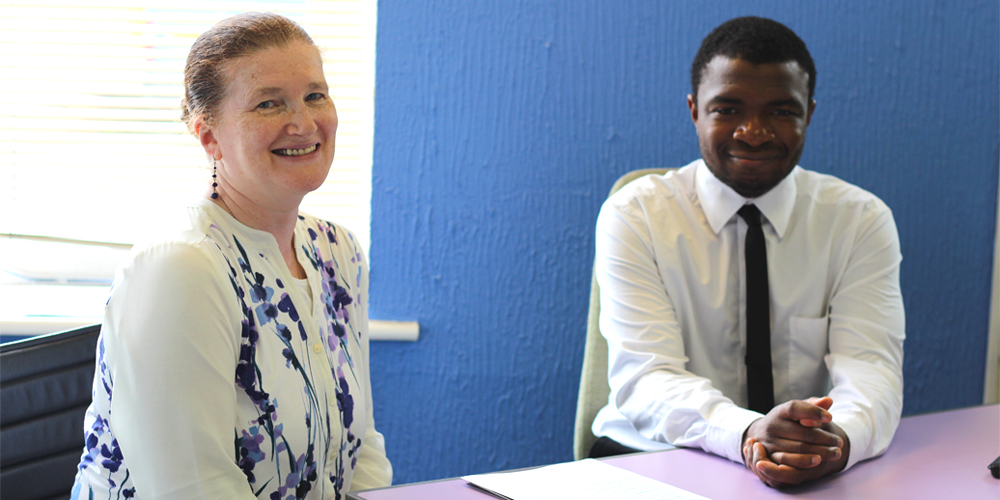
<point x="795" y="442"/>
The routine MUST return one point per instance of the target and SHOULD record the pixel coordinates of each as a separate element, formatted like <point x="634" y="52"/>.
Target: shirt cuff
<point x="725" y="431"/>
<point x="859" y="437"/>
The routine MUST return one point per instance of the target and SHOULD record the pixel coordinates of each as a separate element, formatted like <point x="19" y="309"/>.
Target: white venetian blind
<point x="91" y="144"/>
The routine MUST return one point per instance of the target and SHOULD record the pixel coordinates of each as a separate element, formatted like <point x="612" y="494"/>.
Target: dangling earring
<point x="215" y="193"/>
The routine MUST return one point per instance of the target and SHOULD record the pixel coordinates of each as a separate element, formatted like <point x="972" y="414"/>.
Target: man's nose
<point x="756" y="130"/>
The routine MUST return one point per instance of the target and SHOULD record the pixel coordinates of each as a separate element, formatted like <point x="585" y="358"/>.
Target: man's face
<point x="751" y="121"/>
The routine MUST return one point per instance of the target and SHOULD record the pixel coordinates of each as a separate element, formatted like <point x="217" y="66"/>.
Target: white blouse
<point x="217" y="377"/>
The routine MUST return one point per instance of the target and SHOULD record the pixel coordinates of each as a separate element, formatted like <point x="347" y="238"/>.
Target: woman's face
<point x="275" y="131"/>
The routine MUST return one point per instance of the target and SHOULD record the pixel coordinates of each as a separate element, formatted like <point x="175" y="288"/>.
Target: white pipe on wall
<point x="402" y="331"/>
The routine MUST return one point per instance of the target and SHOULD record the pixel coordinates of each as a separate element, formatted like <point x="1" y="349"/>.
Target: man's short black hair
<point x="756" y="40"/>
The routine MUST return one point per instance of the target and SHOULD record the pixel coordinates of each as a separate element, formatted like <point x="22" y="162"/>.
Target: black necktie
<point x="760" y="385"/>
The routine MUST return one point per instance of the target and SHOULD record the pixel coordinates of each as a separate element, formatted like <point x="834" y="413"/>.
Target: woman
<point x="233" y="360"/>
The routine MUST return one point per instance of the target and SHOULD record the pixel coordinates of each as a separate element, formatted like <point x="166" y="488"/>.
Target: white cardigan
<point x="218" y="377"/>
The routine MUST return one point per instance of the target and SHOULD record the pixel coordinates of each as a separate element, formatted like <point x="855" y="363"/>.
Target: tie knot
<point x="750" y="214"/>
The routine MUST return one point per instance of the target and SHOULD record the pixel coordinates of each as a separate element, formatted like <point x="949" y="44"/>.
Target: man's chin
<point x="753" y="187"/>
<point x="756" y="182"/>
<point x="750" y="178"/>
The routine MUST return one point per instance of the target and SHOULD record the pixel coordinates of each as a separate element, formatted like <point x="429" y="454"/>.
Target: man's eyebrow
<point x="786" y="102"/>
<point x="725" y="100"/>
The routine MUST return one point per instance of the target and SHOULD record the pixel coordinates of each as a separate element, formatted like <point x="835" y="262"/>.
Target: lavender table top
<point x="936" y="455"/>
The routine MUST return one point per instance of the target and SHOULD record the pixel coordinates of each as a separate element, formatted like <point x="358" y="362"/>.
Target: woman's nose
<point x="301" y="122"/>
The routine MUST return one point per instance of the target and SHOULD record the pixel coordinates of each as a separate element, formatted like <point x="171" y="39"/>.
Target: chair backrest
<point x="45" y="389"/>
<point x="594" y="388"/>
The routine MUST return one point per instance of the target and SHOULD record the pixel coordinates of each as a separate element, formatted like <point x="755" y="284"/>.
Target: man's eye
<point x="725" y="111"/>
<point x="315" y="96"/>
<point x="783" y="112"/>
<point x="266" y="105"/>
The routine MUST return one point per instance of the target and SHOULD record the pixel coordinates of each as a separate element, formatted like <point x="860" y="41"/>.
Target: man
<point x="741" y="281"/>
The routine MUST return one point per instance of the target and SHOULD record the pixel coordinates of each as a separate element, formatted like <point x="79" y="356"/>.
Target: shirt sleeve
<point x="649" y="383"/>
<point x="867" y="329"/>
<point x="172" y="350"/>
<point x="373" y="469"/>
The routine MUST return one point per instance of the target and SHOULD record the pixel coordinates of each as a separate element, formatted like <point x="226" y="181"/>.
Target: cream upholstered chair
<point x="594" y="389"/>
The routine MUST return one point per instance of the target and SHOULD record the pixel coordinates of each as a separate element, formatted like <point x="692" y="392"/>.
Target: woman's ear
<point x="207" y="139"/>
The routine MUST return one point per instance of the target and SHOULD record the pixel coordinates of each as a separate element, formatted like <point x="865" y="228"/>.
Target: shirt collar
<point x="720" y="203"/>
<point x="248" y="235"/>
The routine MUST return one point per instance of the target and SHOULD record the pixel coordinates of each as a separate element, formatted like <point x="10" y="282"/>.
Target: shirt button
<point x="317" y="348"/>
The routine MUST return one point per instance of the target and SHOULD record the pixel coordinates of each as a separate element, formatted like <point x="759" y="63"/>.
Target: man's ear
<point x="207" y="139"/>
<point x="809" y="114"/>
<point x="693" y="106"/>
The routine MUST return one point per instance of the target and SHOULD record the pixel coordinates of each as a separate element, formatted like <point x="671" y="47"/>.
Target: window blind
<point x="91" y="142"/>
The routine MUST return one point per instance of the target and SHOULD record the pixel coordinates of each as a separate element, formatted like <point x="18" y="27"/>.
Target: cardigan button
<point x="317" y="348"/>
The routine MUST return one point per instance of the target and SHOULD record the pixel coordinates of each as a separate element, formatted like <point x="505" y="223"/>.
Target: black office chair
<point x="45" y="389"/>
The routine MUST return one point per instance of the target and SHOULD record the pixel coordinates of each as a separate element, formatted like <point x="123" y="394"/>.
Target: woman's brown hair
<point x="230" y="39"/>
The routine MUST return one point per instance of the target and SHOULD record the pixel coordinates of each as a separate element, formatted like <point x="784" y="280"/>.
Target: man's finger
<point x="794" y="430"/>
<point x="757" y="459"/>
<point x="803" y="410"/>
<point x="797" y="460"/>
<point x="791" y="436"/>
<point x="780" y="475"/>
<point x="824" y="402"/>
<point x="791" y="446"/>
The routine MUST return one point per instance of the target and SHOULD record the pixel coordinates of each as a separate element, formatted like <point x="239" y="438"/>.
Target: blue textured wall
<point x="501" y="124"/>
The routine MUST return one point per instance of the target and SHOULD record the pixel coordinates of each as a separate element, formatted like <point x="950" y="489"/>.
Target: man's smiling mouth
<point x="296" y="152"/>
<point x="761" y="156"/>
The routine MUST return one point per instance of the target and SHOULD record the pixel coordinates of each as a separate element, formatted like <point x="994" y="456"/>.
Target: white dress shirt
<point x="670" y="266"/>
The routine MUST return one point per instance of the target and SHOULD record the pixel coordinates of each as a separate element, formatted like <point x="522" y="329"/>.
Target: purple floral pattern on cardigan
<point x="268" y="310"/>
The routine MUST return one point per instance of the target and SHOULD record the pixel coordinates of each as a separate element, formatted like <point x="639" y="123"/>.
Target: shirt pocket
<point x="807" y="373"/>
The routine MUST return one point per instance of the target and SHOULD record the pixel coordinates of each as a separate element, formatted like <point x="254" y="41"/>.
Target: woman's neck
<point x="280" y="223"/>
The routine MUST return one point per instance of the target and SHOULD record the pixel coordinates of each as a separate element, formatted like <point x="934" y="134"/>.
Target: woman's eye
<point x="266" y="105"/>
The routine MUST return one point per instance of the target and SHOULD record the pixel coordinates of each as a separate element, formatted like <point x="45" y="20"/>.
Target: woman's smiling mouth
<point x="296" y="152"/>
